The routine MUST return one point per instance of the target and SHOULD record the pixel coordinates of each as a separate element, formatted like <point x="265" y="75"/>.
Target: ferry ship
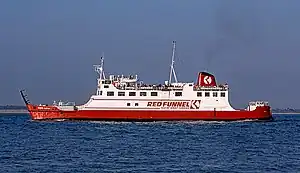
<point x="126" y="98"/>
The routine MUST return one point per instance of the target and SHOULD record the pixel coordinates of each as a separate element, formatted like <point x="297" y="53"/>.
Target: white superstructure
<point x="120" y="92"/>
<point x="127" y="92"/>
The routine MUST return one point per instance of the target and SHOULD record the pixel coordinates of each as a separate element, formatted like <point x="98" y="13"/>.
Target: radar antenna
<point x="99" y="68"/>
<point x="172" y="70"/>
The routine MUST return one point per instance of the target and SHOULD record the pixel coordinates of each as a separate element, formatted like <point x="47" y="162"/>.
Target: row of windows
<point x="111" y="93"/>
<point x="207" y="94"/>
<point x="199" y="94"/>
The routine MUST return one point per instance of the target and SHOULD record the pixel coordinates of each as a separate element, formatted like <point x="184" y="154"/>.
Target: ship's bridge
<point x="119" y="80"/>
<point x="123" y="79"/>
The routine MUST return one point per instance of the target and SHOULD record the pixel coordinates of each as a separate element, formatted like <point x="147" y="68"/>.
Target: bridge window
<point x="215" y="94"/>
<point x="178" y="93"/>
<point x="110" y="93"/>
<point x="131" y="93"/>
<point x="107" y="82"/>
<point x="199" y="94"/>
<point x="121" y="93"/>
<point x="206" y="94"/>
<point x="99" y="92"/>
<point x="153" y="93"/>
<point x="222" y="94"/>
<point x="105" y="86"/>
<point x="143" y="94"/>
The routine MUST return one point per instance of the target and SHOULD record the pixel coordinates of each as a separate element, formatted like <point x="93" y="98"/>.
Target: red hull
<point x="49" y="112"/>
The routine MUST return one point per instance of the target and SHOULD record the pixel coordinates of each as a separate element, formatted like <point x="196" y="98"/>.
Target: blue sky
<point x="49" y="47"/>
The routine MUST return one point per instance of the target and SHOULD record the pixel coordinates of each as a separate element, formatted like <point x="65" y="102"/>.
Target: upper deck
<point x="131" y="82"/>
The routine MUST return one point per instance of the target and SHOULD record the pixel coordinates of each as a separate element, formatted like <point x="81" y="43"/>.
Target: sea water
<point x="91" y="146"/>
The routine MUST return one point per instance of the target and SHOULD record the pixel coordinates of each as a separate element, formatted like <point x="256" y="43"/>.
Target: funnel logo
<point x="207" y="80"/>
<point x="195" y="104"/>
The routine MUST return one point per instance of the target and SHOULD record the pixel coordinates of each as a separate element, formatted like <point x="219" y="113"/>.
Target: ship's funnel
<point x="206" y="79"/>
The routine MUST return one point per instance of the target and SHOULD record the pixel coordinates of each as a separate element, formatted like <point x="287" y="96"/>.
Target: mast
<point x="99" y="68"/>
<point x="172" y="70"/>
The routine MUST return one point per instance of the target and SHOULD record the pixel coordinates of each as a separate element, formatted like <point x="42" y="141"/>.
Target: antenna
<point x="99" y="68"/>
<point x="172" y="70"/>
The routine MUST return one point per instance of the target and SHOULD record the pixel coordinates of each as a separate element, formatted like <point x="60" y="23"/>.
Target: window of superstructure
<point x="178" y="93"/>
<point x="103" y="82"/>
<point x="199" y="94"/>
<point x="222" y="94"/>
<point x="153" y="93"/>
<point x="215" y="94"/>
<point x="136" y="104"/>
<point x="121" y="93"/>
<point x="131" y="93"/>
<point x="106" y="86"/>
<point x="206" y="94"/>
<point x="110" y="93"/>
<point x="107" y="82"/>
<point x="128" y="104"/>
<point x="143" y="94"/>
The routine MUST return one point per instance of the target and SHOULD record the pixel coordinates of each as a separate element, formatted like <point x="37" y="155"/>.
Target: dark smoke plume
<point x="236" y="27"/>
